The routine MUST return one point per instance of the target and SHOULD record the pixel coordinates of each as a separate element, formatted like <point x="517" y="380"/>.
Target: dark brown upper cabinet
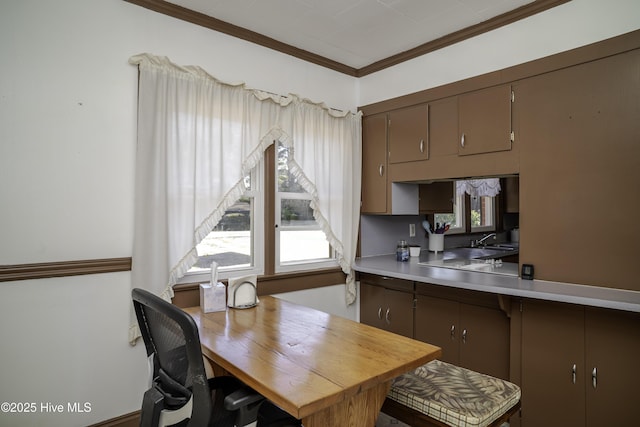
<point x="409" y="134"/>
<point x="374" y="164"/>
<point x="485" y="121"/>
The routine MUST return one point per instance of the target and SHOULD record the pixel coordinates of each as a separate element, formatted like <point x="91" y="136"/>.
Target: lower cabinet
<point x="387" y="303"/>
<point x="470" y="327"/>
<point x="579" y="365"/>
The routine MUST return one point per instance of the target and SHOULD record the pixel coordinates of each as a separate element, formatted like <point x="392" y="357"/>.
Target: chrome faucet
<point x="481" y="241"/>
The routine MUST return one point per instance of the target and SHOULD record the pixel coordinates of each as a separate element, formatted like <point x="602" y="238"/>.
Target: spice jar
<point x="402" y="251"/>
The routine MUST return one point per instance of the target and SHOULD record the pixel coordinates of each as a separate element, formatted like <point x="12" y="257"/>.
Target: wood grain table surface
<point x="323" y="369"/>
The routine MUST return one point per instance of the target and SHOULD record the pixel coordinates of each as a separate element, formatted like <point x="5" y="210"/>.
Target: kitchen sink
<point x="485" y="259"/>
<point x="497" y="247"/>
<point x="476" y="267"/>
<point x="483" y="266"/>
<point x="478" y="252"/>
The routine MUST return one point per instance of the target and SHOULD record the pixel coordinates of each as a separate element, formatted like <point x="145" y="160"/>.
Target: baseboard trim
<point x="127" y="420"/>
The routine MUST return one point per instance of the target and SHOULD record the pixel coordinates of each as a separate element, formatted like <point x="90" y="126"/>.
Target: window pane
<point x="230" y="242"/>
<point x="299" y="238"/>
<point x="454" y="219"/>
<point x="296" y="213"/>
<point x="481" y="211"/>
<point x="286" y="181"/>
<point x="303" y="245"/>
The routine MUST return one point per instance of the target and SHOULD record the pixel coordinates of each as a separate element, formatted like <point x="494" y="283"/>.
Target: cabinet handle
<point x="594" y="377"/>
<point x="381" y="169"/>
<point x="380" y="313"/>
<point x="462" y="141"/>
<point x="453" y="332"/>
<point x="573" y="373"/>
<point x="464" y="336"/>
<point x="386" y="317"/>
<point x="422" y="145"/>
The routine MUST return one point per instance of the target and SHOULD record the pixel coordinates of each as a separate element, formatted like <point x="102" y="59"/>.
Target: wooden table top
<point x="305" y="360"/>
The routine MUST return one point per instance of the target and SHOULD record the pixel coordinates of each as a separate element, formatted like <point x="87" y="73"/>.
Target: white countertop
<point x="595" y="296"/>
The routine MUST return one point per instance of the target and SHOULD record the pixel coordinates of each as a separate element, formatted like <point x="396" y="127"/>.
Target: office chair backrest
<point x="171" y="338"/>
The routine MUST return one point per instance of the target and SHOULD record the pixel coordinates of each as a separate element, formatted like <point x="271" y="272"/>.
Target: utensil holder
<point x="436" y="242"/>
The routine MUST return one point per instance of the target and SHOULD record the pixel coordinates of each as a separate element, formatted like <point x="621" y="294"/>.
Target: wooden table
<point x="323" y="369"/>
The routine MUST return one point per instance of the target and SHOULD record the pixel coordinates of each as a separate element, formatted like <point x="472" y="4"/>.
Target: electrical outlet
<point x="412" y="230"/>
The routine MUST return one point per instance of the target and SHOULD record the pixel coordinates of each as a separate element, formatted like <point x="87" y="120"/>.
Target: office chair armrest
<point x="241" y="398"/>
<point x="247" y="402"/>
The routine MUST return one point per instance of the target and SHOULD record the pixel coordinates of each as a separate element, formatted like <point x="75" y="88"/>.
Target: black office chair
<point x="180" y="393"/>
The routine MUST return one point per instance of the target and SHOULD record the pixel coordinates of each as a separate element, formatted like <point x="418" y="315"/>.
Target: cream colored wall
<point x="67" y="153"/>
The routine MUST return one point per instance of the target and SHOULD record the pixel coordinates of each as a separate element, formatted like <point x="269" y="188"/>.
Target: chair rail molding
<point x="9" y="273"/>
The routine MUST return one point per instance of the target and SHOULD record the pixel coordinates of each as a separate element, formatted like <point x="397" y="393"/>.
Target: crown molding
<point x="188" y="15"/>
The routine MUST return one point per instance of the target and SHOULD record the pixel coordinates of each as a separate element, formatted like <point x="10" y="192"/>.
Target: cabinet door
<point x="374" y="164"/>
<point x="436" y="197"/>
<point x="613" y="349"/>
<point x="443" y="128"/>
<point x="398" y="312"/>
<point x="371" y="301"/>
<point x="408" y="134"/>
<point x="485" y="121"/>
<point x="484" y="335"/>
<point x="552" y="364"/>
<point x="387" y="309"/>
<point x="437" y="324"/>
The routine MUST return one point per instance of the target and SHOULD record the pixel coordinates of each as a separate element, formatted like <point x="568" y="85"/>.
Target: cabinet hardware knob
<point x="380" y="313"/>
<point x="422" y="145"/>
<point x="386" y="317"/>
<point x="573" y="373"/>
<point x="381" y="169"/>
<point x="594" y="377"/>
<point x="464" y="336"/>
<point x="453" y="331"/>
<point x="462" y="141"/>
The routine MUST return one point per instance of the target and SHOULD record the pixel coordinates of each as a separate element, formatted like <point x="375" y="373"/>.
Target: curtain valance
<point x="479" y="187"/>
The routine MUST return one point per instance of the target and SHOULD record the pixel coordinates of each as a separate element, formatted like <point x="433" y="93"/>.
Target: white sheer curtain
<point x="198" y="137"/>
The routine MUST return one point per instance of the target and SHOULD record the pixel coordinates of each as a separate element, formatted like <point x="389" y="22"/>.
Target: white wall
<point x="570" y="25"/>
<point x="67" y="154"/>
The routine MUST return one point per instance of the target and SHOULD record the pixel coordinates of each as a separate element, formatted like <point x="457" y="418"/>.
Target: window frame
<point x="298" y="265"/>
<point x="462" y="208"/>
<point x="492" y="212"/>
<point x="265" y="231"/>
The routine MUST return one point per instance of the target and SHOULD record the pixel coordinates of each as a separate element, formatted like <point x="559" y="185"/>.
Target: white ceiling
<point x="355" y="33"/>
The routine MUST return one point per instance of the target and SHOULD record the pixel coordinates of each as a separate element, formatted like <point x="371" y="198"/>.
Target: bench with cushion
<point x="441" y="394"/>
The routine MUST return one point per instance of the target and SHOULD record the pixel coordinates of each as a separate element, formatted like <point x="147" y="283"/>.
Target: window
<point x="481" y="215"/>
<point x="232" y="243"/>
<point x="237" y="243"/>
<point x="299" y="238"/>
<point x="456" y="219"/>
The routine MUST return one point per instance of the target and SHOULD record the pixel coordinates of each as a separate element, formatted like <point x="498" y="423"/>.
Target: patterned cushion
<point x="453" y="395"/>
